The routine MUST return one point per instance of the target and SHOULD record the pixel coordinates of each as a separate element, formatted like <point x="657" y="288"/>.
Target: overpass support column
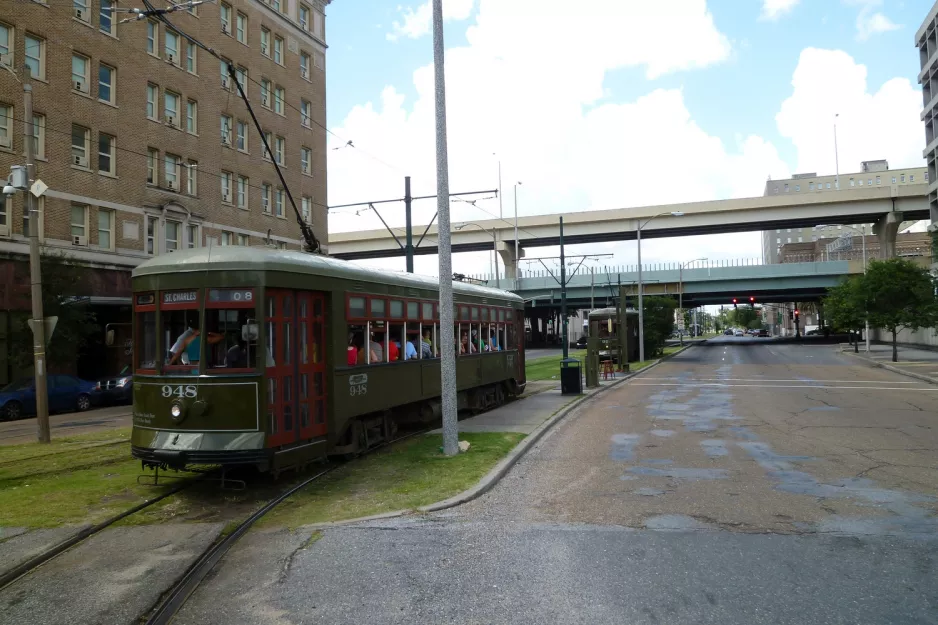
<point x="506" y="249"/>
<point x="886" y="229"/>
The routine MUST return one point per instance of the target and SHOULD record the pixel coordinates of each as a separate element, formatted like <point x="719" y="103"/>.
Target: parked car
<point x="118" y="389"/>
<point x="66" y="393"/>
<point x="728" y="332"/>
<point x="762" y="332"/>
<point x="739" y="333"/>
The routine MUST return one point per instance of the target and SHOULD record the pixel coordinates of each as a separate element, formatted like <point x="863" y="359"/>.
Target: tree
<point x="899" y="294"/>
<point x="63" y="282"/>
<point x="659" y="323"/>
<point x="845" y="306"/>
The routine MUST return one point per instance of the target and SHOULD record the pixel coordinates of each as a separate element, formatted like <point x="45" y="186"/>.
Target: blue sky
<point x="731" y="98"/>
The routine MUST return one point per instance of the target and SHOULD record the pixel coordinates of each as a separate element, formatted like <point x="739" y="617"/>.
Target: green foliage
<point x="62" y="282"/>
<point x="844" y="306"/>
<point x="900" y="294"/>
<point x="659" y="323"/>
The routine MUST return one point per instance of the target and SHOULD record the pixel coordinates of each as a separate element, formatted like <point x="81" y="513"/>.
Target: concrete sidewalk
<point x="917" y="363"/>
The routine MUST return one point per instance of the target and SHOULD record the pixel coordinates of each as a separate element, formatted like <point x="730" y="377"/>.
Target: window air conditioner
<point x="172" y="185"/>
<point x="169" y="57"/>
<point x="76" y="240"/>
<point x="78" y="86"/>
<point x="4" y="231"/>
<point x="264" y="100"/>
<point x="224" y="82"/>
<point x="226" y="197"/>
<point x="224" y="29"/>
<point x="170" y="120"/>
<point x="304" y="72"/>
<point x="226" y="138"/>
<point x="81" y="161"/>
<point x="6" y="142"/>
<point x="78" y="14"/>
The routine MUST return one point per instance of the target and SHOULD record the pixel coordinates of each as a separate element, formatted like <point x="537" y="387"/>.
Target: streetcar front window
<point x="237" y="345"/>
<point x="181" y="338"/>
<point x="146" y="340"/>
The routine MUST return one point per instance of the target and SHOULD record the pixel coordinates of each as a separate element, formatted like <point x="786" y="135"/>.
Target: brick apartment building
<point x="142" y="138"/>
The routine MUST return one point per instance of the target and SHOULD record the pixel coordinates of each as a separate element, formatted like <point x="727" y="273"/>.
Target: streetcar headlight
<point x="177" y="411"/>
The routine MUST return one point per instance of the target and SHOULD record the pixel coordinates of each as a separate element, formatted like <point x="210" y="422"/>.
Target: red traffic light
<point x="734" y="300"/>
<point x="797" y="313"/>
<point x="752" y="299"/>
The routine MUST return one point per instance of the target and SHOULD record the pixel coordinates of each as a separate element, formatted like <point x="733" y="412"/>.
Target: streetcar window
<point x="356" y="341"/>
<point x="376" y="308"/>
<point x="427" y="311"/>
<point x="397" y="309"/>
<point x="182" y="337"/>
<point x="412" y="311"/>
<point x="397" y="342"/>
<point x="485" y="314"/>
<point x="509" y="315"/>
<point x="464" y="313"/>
<point x="356" y="307"/>
<point x="475" y="313"/>
<point x="233" y="350"/>
<point x="510" y="336"/>
<point x="146" y="340"/>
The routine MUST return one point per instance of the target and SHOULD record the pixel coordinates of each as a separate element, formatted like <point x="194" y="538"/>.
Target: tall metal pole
<point x="836" y="154"/>
<point x="500" y="215"/>
<point x="592" y="277"/>
<point x="563" y="296"/>
<point x="409" y="244"/>
<point x="641" y="308"/>
<point x="35" y="273"/>
<point x="680" y="302"/>
<point x="866" y="321"/>
<point x="447" y="336"/>
<point x="498" y="282"/>
<point x="517" y="260"/>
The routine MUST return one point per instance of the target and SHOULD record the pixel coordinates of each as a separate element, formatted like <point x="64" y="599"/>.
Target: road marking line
<point x="861" y="388"/>
<point x="645" y="377"/>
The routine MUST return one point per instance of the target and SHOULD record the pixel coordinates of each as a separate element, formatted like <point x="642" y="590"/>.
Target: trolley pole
<point x="447" y="337"/>
<point x="563" y="296"/>
<point x="35" y="272"/>
<point x="409" y="243"/>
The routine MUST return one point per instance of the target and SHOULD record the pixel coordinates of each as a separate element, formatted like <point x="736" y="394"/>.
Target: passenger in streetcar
<point x="186" y="348"/>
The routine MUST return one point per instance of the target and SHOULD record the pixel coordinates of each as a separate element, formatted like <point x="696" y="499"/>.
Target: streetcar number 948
<point x="179" y="391"/>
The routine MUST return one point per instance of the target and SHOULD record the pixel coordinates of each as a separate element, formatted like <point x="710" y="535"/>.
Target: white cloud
<point x="873" y="123"/>
<point x="417" y="22"/>
<point x="774" y="9"/>
<point x="870" y="21"/>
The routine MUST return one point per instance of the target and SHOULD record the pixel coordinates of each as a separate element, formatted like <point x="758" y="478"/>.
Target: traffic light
<point x="734" y="303"/>
<point x="796" y="313"/>
<point x="752" y="300"/>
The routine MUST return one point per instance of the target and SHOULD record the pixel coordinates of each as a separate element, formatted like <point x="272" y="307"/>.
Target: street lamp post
<point x="494" y="246"/>
<point x="517" y="260"/>
<point x="862" y="234"/>
<point x="680" y="298"/>
<point x="641" y="309"/>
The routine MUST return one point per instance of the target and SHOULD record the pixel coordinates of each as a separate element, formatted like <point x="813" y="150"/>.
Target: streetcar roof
<point x="602" y="313"/>
<point x="243" y="258"/>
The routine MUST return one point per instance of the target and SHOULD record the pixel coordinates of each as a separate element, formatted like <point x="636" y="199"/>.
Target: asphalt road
<point x="741" y="482"/>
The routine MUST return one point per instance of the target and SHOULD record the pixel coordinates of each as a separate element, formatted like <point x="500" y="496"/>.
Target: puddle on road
<point x="663" y="433"/>
<point x="742" y="432"/>
<point x="658" y="461"/>
<point x="648" y="492"/>
<point x="679" y="522"/>
<point x="623" y="447"/>
<point x="768" y="459"/>
<point x="714" y="448"/>
<point x="681" y="473"/>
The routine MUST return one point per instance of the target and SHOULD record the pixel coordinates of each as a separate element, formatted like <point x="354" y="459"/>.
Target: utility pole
<point x="35" y="271"/>
<point x="409" y="244"/>
<point x="447" y="340"/>
<point x="836" y="154"/>
<point x="563" y="296"/>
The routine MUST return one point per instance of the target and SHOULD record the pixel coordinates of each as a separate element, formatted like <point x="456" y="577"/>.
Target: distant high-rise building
<point x="926" y="39"/>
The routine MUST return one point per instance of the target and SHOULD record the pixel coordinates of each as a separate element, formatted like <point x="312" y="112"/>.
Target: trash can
<point x="571" y="382"/>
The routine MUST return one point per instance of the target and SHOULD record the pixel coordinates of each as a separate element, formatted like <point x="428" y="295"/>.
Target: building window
<point x="242" y="192"/>
<point x="6" y="43"/>
<point x="79" y="222"/>
<point x="171" y="47"/>
<point x="152" y="94"/>
<point x="39" y="131"/>
<point x="153" y="38"/>
<point x="6" y="126"/>
<point x="800" y="239"/>
<point x="911" y="177"/>
<point x="227" y="238"/>
<point x="105" y="229"/>
<point x="304" y="17"/>
<point x="6" y="204"/>
<point x="279" y="203"/>
<point x="265" y="92"/>
<point x="193" y="240"/>
<point x="152" y="156"/>
<point x="107" y="148"/>
<point x="789" y="239"/>
<point x="242" y="136"/>
<point x="827" y="185"/>
<point x="226" y="187"/>
<point x="223" y="73"/>
<point x="275" y="4"/>
<point x="242" y="74"/>
<point x="171" y="242"/>
<point x="789" y="230"/>
<point x="106" y="90"/>
<point x="304" y="65"/>
<point x="861" y="182"/>
<point x="786" y="187"/>
<point x="778" y="240"/>
<point x="191" y="58"/>
<point x="192" y="117"/>
<point x="265" y="198"/>
<point x="80" y="79"/>
<point x="243" y="239"/>
<point x="152" y="225"/>
<point x="926" y="176"/>
<point x="869" y="182"/>
<point x="171" y="169"/>
<point x="307" y="209"/>
<point x="192" y="177"/>
<point x="306" y="160"/>
<point x="81" y="136"/>
<point x="851" y="182"/>
<point x="80" y="11"/>
<point x="810" y="186"/>
<point x="265" y="42"/>
<point x="225" y="12"/>
<point x="226" y="129"/>
<point x="279" y="96"/>
<point x="878" y="181"/>
<point x="797" y="188"/>
<point x="902" y="178"/>
<point x="278" y="50"/>
<point x="814" y="237"/>
<point x="306" y="112"/>
<point x="36" y="56"/>
<point x="893" y="180"/>
<point x="268" y="139"/>
<point x="241" y="30"/>
<point x="320" y="60"/>
<point x="280" y="149"/>
<point x="775" y="189"/>
<point x="171" y="108"/>
<point x="106" y="18"/>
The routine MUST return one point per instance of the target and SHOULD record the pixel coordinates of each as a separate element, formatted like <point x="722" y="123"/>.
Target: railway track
<point x="175" y="598"/>
<point x="9" y="577"/>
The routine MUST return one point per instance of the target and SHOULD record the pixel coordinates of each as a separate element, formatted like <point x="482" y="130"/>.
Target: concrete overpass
<point x="886" y="206"/>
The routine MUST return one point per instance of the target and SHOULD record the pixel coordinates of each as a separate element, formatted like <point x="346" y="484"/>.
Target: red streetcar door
<point x="280" y="326"/>
<point x="311" y="365"/>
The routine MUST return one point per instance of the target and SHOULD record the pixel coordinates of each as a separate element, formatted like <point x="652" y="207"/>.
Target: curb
<point x="499" y="471"/>
<point x="894" y="369"/>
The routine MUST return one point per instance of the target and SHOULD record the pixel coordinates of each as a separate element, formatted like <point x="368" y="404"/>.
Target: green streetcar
<point x="274" y="358"/>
